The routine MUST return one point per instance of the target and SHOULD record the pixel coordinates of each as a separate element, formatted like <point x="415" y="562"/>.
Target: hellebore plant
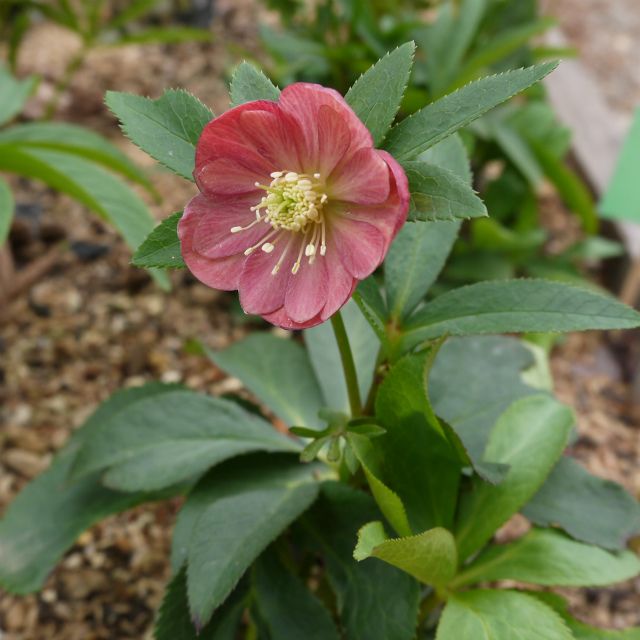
<point x="413" y="437"/>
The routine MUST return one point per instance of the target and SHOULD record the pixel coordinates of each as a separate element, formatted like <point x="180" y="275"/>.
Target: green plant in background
<point x="72" y="160"/>
<point x="457" y="42"/>
<point x="411" y="448"/>
<point x="96" y="22"/>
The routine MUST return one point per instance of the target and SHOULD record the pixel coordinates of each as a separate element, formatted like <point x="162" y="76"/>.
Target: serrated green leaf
<point x="287" y="608"/>
<point x="278" y="372"/>
<point x="161" y="441"/>
<point x="430" y="557"/>
<point x="499" y="615"/>
<point x="13" y="94"/>
<point x="529" y="437"/>
<point x="518" y="306"/>
<point x="167" y="128"/>
<point x="174" y="620"/>
<point x="333" y="522"/>
<point x="7" y="206"/>
<point x="62" y="136"/>
<point x="325" y="357"/>
<point x="244" y="505"/>
<point x="442" y="118"/>
<point x="376" y="95"/>
<point x="49" y="514"/>
<point x="438" y="194"/>
<point x="546" y="557"/>
<point x="89" y="184"/>
<point x="161" y="247"/>
<point x="249" y="83"/>
<point x="588" y="508"/>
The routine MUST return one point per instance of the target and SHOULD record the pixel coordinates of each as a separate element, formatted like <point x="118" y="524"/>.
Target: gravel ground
<point x="95" y="324"/>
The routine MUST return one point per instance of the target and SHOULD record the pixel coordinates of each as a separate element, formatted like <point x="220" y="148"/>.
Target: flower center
<point x="293" y="203"/>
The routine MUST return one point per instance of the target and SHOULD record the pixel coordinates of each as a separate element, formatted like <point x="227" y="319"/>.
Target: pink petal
<point x="227" y="176"/>
<point x="334" y="139"/>
<point x="212" y="236"/>
<point x="303" y="101"/>
<point x="281" y="319"/>
<point x="307" y="291"/>
<point x="360" y="245"/>
<point x="363" y="177"/>
<point x="219" y="274"/>
<point x="341" y="284"/>
<point x="400" y="199"/>
<point x="261" y="291"/>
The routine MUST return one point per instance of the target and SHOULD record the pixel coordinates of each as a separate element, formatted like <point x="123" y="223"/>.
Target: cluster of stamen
<point x="293" y="203"/>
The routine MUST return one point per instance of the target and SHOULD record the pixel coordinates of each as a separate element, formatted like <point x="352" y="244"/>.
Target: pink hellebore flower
<point x="296" y="206"/>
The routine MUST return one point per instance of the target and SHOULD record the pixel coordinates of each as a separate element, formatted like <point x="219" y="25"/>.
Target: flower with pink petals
<point x="295" y="205"/>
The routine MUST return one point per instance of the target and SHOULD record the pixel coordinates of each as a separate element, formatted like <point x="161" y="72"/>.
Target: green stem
<point x="63" y="83"/>
<point x="348" y="365"/>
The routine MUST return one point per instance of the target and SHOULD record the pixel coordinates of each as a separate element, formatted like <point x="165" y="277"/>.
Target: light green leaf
<point x="167" y="128"/>
<point x="546" y="557"/>
<point x="249" y="83"/>
<point x="376" y="95"/>
<point x="334" y="522"/>
<point x="500" y="615"/>
<point x="430" y="557"/>
<point x="325" y="357"/>
<point x="89" y="184"/>
<point x="7" y="206"/>
<point x="61" y="136"/>
<point x="174" y="620"/>
<point x="161" y="247"/>
<point x="418" y="462"/>
<point x="49" y="514"/>
<point x="442" y="118"/>
<point x="518" y="306"/>
<point x="286" y="606"/>
<point x="529" y="437"/>
<point x="438" y="194"/>
<point x="245" y="505"/>
<point x="278" y="372"/>
<point x="13" y="94"/>
<point x="588" y="508"/>
<point x="162" y="440"/>
<point x="466" y="397"/>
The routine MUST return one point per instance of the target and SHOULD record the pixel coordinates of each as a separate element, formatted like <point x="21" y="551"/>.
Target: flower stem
<point x="348" y="365"/>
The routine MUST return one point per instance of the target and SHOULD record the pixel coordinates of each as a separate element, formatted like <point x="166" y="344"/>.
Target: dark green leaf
<point x="287" y="608"/>
<point x="249" y="83"/>
<point x="518" y="306"/>
<point x="278" y="372"/>
<point x="49" y="514"/>
<point x="499" y="615"/>
<point x="242" y="506"/>
<point x="134" y="10"/>
<point x="7" y="206"/>
<point x="529" y="437"/>
<point x="588" y="508"/>
<point x="438" y="194"/>
<point x="549" y="558"/>
<point x="418" y="462"/>
<point x="174" y="620"/>
<point x="162" y="440"/>
<point x="375" y="601"/>
<point x="167" y="128"/>
<point x="161" y="247"/>
<point x="442" y="118"/>
<point x="376" y="95"/>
